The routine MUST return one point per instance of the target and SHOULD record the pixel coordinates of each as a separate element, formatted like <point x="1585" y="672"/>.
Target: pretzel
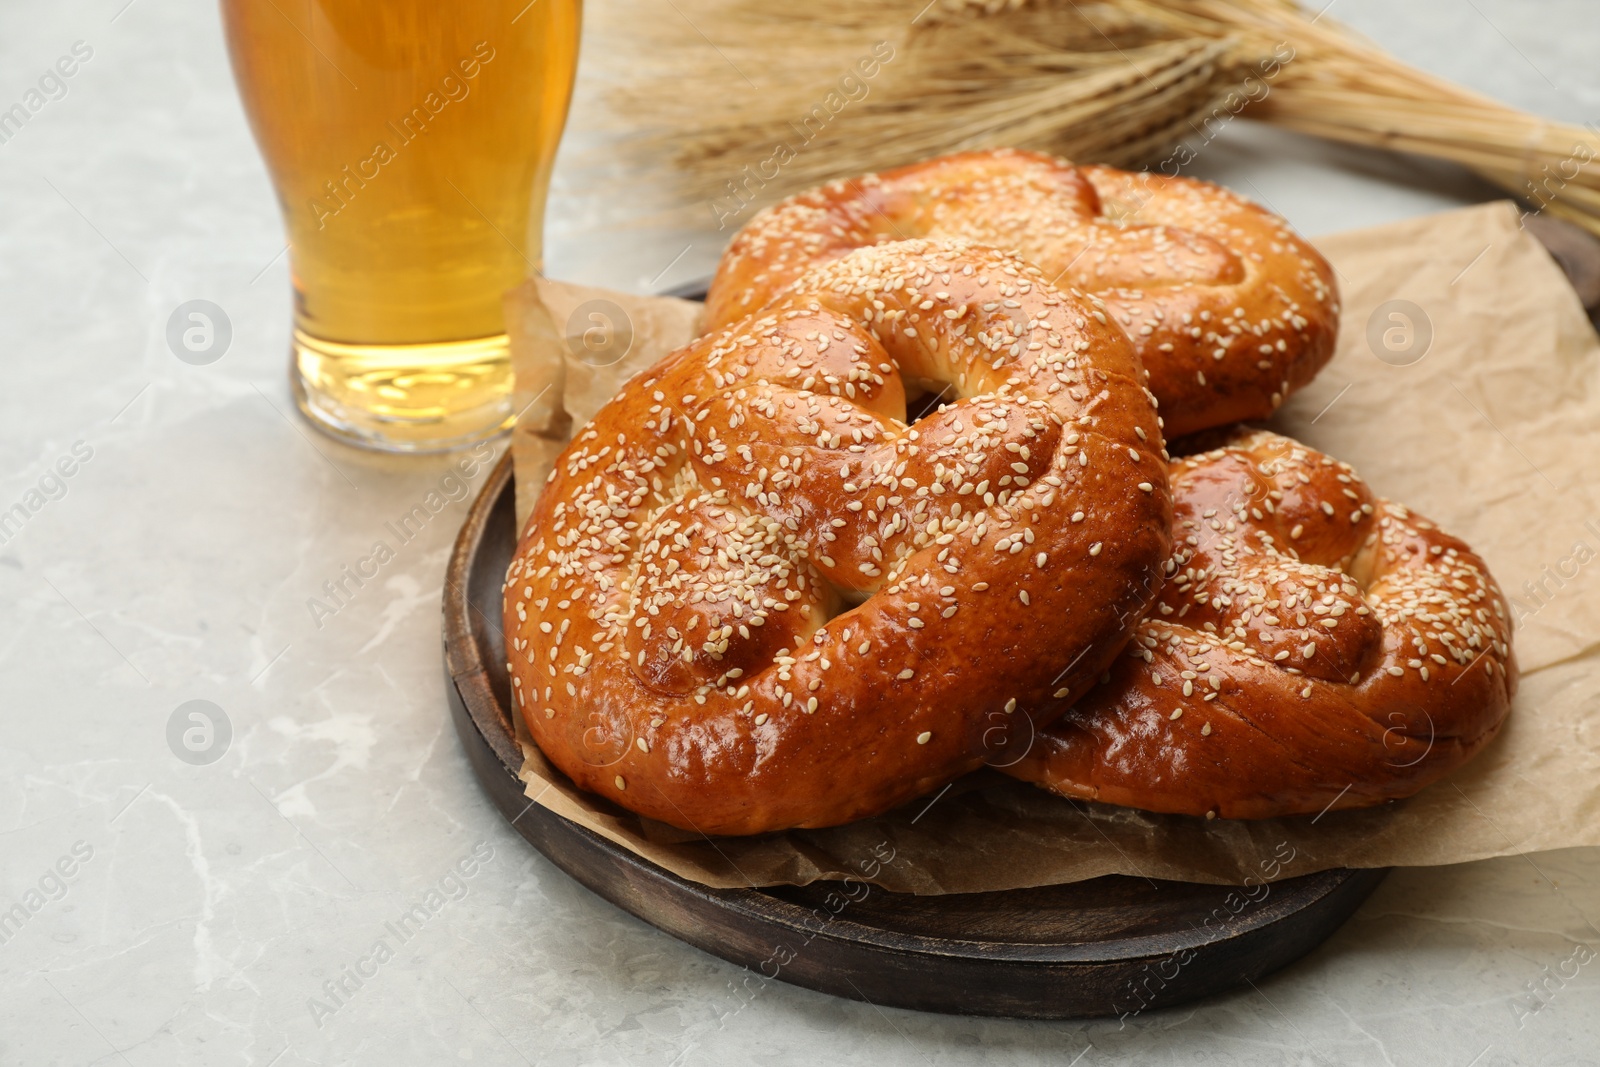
<point x="752" y="597"/>
<point x="1229" y="309"/>
<point x="1314" y="647"/>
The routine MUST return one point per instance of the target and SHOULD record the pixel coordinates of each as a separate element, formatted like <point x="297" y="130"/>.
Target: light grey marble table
<point x="191" y="914"/>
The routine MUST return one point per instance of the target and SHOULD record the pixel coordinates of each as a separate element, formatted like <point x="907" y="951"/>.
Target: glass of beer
<point x="410" y="143"/>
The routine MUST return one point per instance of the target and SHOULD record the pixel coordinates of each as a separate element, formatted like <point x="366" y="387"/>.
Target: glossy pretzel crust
<point x="1229" y="309"/>
<point x="678" y="614"/>
<point x="1313" y="647"/>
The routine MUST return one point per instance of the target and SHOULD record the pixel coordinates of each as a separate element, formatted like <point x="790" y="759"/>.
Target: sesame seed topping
<point x="1248" y="598"/>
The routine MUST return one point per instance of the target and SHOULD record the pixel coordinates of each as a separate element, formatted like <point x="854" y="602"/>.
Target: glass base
<point x="404" y="398"/>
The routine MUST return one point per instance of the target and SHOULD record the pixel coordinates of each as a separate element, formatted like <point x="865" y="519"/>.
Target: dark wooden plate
<point x="1108" y="946"/>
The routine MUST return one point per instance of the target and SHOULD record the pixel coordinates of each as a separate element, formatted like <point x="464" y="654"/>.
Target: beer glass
<point x="410" y="143"/>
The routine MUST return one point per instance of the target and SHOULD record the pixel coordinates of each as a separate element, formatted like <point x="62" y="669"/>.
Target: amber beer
<point x="410" y="142"/>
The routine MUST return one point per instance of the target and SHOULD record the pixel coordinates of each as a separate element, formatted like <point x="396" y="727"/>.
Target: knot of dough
<point x="1313" y="646"/>
<point x="1229" y="309"/>
<point x="797" y="609"/>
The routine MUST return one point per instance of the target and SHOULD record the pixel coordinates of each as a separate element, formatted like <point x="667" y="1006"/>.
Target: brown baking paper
<point x="1482" y="413"/>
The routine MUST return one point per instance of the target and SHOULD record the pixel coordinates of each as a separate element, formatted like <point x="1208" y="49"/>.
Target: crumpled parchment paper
<point x="1466" y="385"/>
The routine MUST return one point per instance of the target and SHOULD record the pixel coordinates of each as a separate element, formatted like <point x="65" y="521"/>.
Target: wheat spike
<point x="705" y="89"/>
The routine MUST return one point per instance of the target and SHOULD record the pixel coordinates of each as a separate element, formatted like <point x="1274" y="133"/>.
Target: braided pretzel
<point x="1313" y="648"/>
<point x="1229" y="309"/>
<point x="672" y="610"/>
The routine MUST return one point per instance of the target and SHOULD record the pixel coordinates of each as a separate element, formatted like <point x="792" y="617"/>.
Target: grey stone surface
<point x="208" y="900"/>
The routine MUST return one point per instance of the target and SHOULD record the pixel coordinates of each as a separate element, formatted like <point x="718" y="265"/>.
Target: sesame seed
<point x="924" y="737"/>
<point x="621" y="783"/>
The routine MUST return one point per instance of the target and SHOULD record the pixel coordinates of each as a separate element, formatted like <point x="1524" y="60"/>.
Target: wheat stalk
<point x="711" y="84"/>
<point x="1344" y="88"/>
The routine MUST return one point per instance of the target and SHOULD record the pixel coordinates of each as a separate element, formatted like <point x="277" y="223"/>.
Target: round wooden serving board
<point x="1108" y="946"/>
